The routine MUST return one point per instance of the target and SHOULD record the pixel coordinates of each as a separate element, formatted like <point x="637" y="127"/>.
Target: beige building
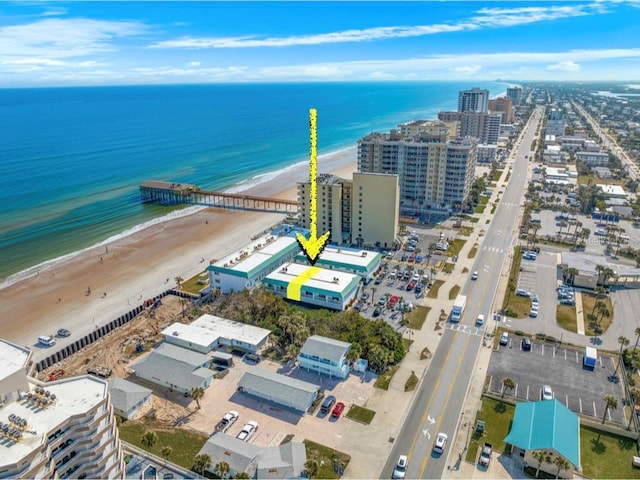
<point x="361" y="211"/>
<point x="60" y="429"/>
<point x="503" y="106"/>
<point x="434" y="170"/>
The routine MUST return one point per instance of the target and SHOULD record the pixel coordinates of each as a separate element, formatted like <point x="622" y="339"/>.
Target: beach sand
<point x="125" y="272"/>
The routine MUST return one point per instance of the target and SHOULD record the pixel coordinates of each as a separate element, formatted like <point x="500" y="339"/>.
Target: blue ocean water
<point x="72" y="158"/>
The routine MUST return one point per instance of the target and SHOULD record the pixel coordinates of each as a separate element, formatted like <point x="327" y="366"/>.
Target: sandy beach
<point x="123" y="273"/>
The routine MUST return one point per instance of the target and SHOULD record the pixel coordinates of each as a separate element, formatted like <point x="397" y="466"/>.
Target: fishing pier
<point x="167" y="193"/>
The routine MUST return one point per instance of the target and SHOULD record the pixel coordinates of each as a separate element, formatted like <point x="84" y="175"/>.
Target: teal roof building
<point x="546" y="425"/>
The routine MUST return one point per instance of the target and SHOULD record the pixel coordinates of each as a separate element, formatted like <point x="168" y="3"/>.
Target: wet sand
<point x="125" y="272"/>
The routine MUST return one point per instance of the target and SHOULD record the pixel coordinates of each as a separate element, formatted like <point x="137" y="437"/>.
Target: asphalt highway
<point x="438" y="403"/>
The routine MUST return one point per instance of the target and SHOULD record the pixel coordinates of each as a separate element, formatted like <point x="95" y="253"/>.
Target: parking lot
<point x="581" y="390"/>
<point x="540" y="277"/>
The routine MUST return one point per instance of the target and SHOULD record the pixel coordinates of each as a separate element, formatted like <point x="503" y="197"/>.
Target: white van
<point x="47" y="341"/>
<point x="480" y="320"/>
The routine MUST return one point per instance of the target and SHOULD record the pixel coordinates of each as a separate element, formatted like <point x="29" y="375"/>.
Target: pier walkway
<point x="167" y="193"/>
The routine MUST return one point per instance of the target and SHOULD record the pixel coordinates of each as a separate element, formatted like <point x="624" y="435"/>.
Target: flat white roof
<point x="321" y="279"/>
<point x="255" y="254"/>
<point x="12" y="358"/>
<point x="73" y="396"/>
<point x="344" y="256"/>
<point x="616" y="190"/>
<point x="207" y="329"/>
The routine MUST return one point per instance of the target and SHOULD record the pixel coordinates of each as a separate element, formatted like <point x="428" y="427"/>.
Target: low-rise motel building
<point x="363" y="263"/>
<point x="313" y="285"/>
<point x="60" y="429"/>
<point x="246" y="267"/>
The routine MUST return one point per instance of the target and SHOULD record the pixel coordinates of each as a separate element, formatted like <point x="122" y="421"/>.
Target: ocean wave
<point x="49" y="264"/>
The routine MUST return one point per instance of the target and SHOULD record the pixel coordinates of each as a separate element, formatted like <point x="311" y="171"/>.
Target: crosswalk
<point x="493" y="249"/>
<point x="510" y="204"/>
<point x="459" y="327"/>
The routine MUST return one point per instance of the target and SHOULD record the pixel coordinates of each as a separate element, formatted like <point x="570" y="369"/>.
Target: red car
<point x="337" y="410"/>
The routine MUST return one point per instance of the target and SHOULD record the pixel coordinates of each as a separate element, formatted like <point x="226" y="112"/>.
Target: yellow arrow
<point x="313" y="245"/>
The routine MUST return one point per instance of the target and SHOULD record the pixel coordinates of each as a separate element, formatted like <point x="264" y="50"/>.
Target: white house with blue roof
<point x="546" y="425"/>
<point x="325" y="355"/>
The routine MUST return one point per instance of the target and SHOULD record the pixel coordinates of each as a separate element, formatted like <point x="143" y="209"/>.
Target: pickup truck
<point x="485" y="455"/>
<point x="228" y="420"/>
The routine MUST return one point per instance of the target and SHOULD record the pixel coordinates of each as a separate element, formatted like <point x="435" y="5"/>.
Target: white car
<point x="440" y="443"/>
<point x="504" y="338"/>
<point x="480" y="320"/>
<point x="247" y="431"/>
<point x="474" y="275"/>
<point x="533" y="313"/>
<point x="401" y="467"/>
<point x="546" y="393"/>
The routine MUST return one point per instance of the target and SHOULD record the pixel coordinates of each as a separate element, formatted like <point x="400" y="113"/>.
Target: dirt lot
<point x="117" y="349"/>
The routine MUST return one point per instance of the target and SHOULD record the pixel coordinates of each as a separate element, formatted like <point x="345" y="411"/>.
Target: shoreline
<point x="123" y="272"/>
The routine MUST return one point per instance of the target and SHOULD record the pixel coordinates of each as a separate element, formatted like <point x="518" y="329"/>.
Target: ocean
<point x="72" y="158"/>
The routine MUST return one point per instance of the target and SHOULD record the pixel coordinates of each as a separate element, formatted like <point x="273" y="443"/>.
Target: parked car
<point x="401" y="467"/>
<point x="247" y="431"/>
<point x="46" y="341"/>
<point x="63" y="332"/>
<point x="328" y="404"/>
<point x="546" y="393"/>
<point x="504" y="339"/>
<point x="526" y="344"/>
<point x="252" y="357"/>
<point x="521" y="292"/>
<point x="440" y="443"/>
<point x="337" y="410"/>
<point x="376" y="312"/>
<point x="534" y="298"/>
<point x="419" y="258"/>
<point x="533" y="313"/>
<point x="358" y="306"/>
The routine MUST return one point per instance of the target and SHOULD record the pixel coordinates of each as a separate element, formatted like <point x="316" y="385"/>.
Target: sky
<point x="114" y="43"/>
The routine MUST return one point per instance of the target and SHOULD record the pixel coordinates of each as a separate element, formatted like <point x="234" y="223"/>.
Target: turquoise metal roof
<point x="545" y="425"/>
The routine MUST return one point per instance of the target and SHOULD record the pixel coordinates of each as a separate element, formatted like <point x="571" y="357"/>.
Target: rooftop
<point x="279" y="388"/>
<point x="126" y="394"/>
<point x="324" y="347"/>
<point x="13" y="358"/>
<point x="252" y="257"/>
<point x="207" y="329"/>
<point x="73" y="396"/>
<point x="356" y="259"/>
<point x="615" y="190"/>
<point x="319" y="279"/>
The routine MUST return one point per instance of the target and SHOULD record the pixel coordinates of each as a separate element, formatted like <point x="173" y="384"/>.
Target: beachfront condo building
<point x="361" y="211"/>
<point x="435" y="171"/>
<point x="485" y="127"/>
<point x="313" y="285"/>
<point x="247" y="267"/>
<point x="60" y="429"/>
<point x="363" y="263"/>
<point x="556" y="123"/>
<point x="503" y="106"/>
<point x="515" y="94"/>
<point x="474" y="100"/>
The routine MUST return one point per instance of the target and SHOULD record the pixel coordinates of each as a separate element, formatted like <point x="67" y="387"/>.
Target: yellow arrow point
<point x="312" y="246"/>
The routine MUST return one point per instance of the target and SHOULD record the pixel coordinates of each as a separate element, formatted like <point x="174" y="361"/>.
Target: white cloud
<point x="483" y="18"/>
<point x="64" y="38"/>
<point x="53" y="12"/>
<point x="467" y="69"/>
<point x="194" y="64"/>
<point x="566" y="66"/>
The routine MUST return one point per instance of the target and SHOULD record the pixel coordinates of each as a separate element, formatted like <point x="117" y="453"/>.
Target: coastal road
<point x="438" y="403"/>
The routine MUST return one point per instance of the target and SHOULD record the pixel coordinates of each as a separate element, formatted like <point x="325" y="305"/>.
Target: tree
<point x="179" y="281"/>
<point x="610" y="402"/>
<point x="373" y="294"/>
<point x="540" y="456"/>
<point x="561" y="464"/>
<point x="197" y="393"/>
<point x="637" y="332"/>
<point x="623" y="341"/>
<point x="149" y="439"/>
<point x="166" y="453"/>
<point x="222" y="469"/>
<point x="507" y="383"/>
<point x="201" y="463"/>
<point x="242" y="475"/>
<point x="597" y="306"/>
<point x="312" y="468"/>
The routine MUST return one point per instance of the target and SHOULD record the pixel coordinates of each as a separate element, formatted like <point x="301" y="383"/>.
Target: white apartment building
<point x="60" y="429"/>
<point x="483" y="126"/>
<point x="571" y="143"/>
<point x="556" y="123"/>
<point x="361" y="211"/>
<point x="433" y="169"/>
<point x="593" y="159"/>
<point x="487" y="153"/>
<point x="474" y="100"/>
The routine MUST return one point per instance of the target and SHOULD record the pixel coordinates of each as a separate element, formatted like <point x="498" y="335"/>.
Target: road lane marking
<point x="446" y="402"/>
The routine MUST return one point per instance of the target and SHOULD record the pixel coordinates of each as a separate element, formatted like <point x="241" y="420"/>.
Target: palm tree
<point x="540" y="456"/>
<point x="610" y="402"/>
<point x="603" y="312"/>
<point x="222" y="469"/>
<point x="430" y="250"/>
<point x="242" y="475"/>
<point x="166" y="453"/>
<point x="623" y="341"/>
<point x="201" y="463"/>
<point x="561" y="464"/>
<point x="637" y="332"/>
<point x="149" y="439"/>
<point x="507" y="383"/>
<point x="179" y="281"/>
<point x="312" y="468"/>
<point x="597" y="306"/>
<point x="197" y="393"/>
<point x="373" y="294"/>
